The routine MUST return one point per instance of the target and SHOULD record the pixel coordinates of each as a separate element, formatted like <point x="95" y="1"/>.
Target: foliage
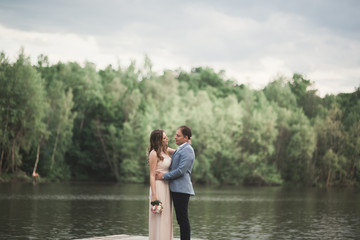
<point x="86" y="124"/>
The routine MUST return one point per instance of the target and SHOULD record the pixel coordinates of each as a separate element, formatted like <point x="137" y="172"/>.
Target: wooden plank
<point x="124" y="237"/>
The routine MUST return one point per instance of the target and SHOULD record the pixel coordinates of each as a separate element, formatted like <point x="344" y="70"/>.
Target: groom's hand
<point x="159" y="176"/>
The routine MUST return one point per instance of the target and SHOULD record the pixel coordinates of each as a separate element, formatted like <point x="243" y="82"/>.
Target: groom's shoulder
<point x="189" y="148"/>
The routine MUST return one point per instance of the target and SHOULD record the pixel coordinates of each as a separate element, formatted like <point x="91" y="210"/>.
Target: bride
<point x="159" y="157"/>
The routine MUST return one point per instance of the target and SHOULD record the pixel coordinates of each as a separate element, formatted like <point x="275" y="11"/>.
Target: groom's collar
<point x="182" y="145"/>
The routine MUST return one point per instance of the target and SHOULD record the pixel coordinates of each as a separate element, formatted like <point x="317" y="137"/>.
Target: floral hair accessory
<point x="156" y="207"/>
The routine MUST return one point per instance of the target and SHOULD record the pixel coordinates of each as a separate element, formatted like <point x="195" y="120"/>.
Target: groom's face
<point x="179" y="138"/>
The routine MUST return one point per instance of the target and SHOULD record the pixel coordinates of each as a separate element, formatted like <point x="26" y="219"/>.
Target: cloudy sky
<point x="253" y="41"/>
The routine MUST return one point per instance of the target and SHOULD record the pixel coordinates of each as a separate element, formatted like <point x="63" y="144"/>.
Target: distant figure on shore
<point x="35" y="176"/>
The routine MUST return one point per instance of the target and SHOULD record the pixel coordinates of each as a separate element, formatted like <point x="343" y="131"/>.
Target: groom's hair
<point x="186" y="131"/>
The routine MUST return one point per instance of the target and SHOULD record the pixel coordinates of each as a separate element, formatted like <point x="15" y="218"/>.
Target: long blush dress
<point x="161" y="225"/>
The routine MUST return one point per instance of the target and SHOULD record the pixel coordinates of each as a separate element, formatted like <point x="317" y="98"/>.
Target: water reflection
<point x="73" y="197"/>
<point x="79" y="210"/>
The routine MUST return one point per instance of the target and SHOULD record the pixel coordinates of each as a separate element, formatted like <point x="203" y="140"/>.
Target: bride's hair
<point x="157" y="144"/>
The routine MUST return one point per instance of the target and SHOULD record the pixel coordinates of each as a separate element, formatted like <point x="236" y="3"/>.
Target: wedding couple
<point x="170" y="183"/>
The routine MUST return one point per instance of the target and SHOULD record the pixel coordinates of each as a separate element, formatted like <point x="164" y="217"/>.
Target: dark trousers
<point x="181" y="202"/>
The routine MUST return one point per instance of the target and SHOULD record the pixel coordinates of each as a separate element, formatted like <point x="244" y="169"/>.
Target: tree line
<point x="72" y="122"/>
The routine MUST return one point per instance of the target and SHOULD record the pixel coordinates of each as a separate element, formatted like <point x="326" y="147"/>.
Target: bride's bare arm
<point x="153" y="163"/>
<point x="171" y="151"/>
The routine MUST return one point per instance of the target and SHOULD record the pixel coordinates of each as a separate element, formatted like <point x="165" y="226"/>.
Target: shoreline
<point x="27" y="179"/>
<point x="22" y="177"/>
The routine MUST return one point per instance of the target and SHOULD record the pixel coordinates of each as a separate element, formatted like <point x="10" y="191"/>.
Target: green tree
<point x="353" y="152"/>
<point x="329" y="138"/>
<point x="23" y="108"/>
<point x="279" y="92"/>
<point x="294" y="146"/>
<point x="306" y="99"/>
<point x="259" y="135"/>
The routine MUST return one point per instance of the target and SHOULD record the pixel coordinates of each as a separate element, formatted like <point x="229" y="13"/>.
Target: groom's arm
<point x="186" y="161"/>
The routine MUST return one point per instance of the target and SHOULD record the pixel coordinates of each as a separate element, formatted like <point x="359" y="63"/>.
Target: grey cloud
<point x="306" y="36"/>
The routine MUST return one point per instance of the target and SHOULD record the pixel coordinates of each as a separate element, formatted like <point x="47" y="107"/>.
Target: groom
<point x="181" y="188"/>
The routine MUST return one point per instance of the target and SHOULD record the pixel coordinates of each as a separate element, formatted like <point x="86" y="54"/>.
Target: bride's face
<point x="165" y="139"/>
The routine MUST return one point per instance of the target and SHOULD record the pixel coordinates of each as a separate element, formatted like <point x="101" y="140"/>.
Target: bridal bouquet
<point x="156" y="207"/>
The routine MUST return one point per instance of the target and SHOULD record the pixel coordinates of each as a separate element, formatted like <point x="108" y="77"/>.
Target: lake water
<point x="80" y="210"/>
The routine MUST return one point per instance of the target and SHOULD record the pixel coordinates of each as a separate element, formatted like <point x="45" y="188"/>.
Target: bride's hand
<point x="153" y="198"/>
<point x="158" y="175"/>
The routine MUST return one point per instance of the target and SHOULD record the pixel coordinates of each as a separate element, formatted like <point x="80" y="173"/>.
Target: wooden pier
<point x="126" y="237"/>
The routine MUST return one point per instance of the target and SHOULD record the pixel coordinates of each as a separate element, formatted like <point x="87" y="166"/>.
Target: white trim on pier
<point x="125" y="237"/>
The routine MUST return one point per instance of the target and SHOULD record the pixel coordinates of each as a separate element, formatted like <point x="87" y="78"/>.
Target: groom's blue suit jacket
<point x="182" y="163"/>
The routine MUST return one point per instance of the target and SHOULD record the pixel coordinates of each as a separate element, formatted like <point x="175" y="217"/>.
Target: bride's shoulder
<point x="152" y="153"/>
<point x="153" y="158"/>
